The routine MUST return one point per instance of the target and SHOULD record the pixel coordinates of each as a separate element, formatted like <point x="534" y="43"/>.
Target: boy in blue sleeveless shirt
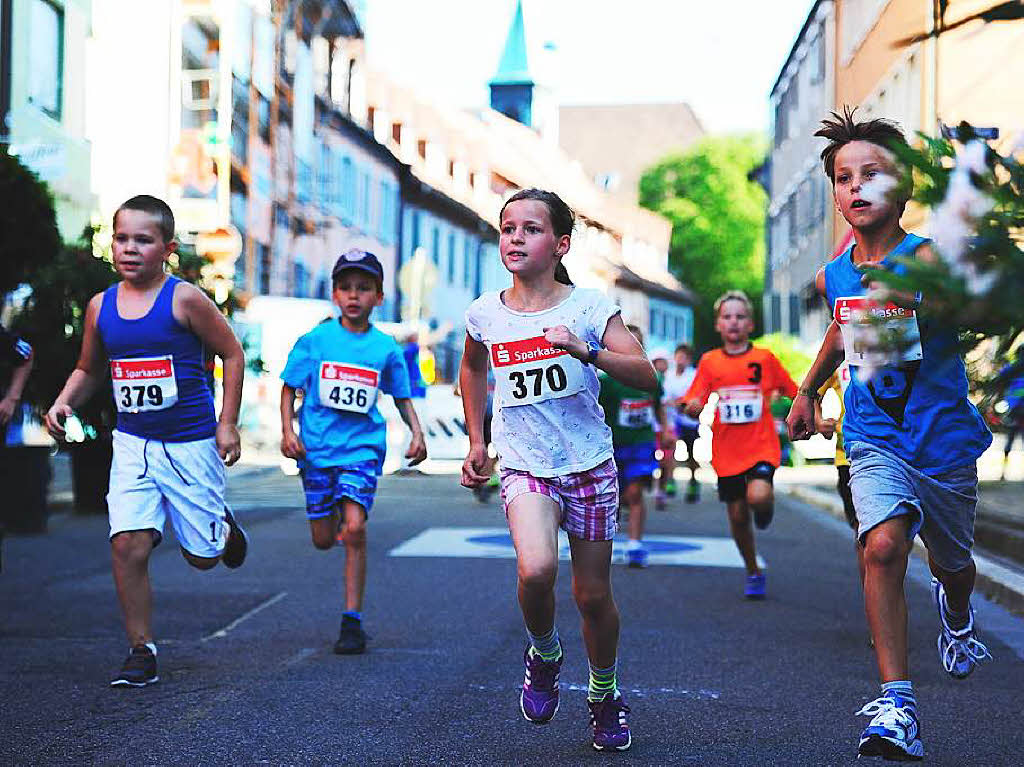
<point x="169" y="448"/>
<point x="341" y="366"/>
<point x="911" y="435"/>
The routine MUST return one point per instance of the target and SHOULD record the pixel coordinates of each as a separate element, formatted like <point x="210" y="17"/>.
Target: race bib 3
<point x="144" y="384"/>
<point x="531" y="370"/>
<point x="636" y="413"/>
<point x="864" y="323"/>
<point x="740" y="404"/>
<point x="343" y="386"/>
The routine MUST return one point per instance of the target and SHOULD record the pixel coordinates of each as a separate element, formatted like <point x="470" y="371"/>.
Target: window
<point x="816" y="57"/>
<point x="348" y="189"/>
<point x="396" y="132"/>
<point x="421" y="148"/>
<point x="263" y="117"/>
<point x="263" y="268"/>
<point x="467" y="263"/>
<point x="370" y="114"/>
<point x="46" y="58"/>
<point x="451" y="258"/>
<point x="794" y="314"/>
<point x="435" y="247"/>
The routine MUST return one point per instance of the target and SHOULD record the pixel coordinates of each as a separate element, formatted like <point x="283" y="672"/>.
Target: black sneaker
<point x="352" y="638"/>
<point x="237" y="544"/>
<point x="138" y="670"/>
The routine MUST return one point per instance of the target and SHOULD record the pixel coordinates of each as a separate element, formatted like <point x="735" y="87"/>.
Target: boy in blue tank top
<point x="169" y="448"/>
<point x="911" y="435"/>
<point x="341" y="366"/>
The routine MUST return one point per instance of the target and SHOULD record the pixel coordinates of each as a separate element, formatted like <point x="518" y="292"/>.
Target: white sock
<point x="152" y="647"/>
<point x="633" y="544"/>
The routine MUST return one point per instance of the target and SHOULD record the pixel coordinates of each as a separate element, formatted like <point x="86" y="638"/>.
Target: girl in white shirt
<point x="543" y="338"/>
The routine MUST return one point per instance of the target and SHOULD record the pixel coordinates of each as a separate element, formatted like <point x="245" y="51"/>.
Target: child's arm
<point x="84" y="378"/>
<point x="291" y="445"/>
<point x="16" y="386"/>
<point x="473" y="382"/>
<point x="697" y="395"/>
<point x="205" y="320"/>
<point x="417" y="451"/>
<point x="622" y="357"/>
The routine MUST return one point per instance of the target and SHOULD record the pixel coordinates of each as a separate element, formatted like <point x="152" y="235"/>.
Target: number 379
<point x="153" y="393"/>
<point x="554" y="376"/>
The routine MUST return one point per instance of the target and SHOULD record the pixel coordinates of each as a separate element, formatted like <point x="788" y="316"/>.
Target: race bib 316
<point x="740" y="404"/>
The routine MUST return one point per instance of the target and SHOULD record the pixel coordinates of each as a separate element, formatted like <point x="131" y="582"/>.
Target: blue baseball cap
<point x="358" y="259"/>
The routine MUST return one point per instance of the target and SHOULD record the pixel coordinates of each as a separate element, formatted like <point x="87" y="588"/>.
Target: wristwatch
<point x="809" y="393"/>
<point x="592" y="356"/>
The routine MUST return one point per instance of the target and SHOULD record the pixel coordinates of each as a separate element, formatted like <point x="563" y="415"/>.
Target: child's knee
<point x="592" y="598"/>
<point x="132" y="545"/>
<point x="886" y="546"/>
<point x="200" y="563"/>
<point x="760" y="495"/>
<point x="537" y="575"/>
<point x="354" y="534"/>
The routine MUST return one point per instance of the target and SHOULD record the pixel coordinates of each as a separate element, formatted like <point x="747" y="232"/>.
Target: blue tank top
<point x="158" y="372"/>
<point x="919" y="410"/>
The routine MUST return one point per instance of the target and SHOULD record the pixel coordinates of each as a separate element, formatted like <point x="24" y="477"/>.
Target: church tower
<point x="512" y="85"/>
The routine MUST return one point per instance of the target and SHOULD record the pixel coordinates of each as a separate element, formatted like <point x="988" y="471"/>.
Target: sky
<point x="720" y="56"/>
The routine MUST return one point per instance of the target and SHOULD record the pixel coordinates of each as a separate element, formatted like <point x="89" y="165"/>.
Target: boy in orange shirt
<point x="744" y="446"/>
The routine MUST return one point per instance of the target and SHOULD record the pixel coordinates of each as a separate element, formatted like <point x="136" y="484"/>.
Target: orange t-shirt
<point x="743" y="432"/>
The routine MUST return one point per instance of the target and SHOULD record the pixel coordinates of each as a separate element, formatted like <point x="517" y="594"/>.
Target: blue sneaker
<point x="608" y="718"/>
<point x="894" y="732"/>
<point x="539" y="698"/>
<point x="636" y="557"/>
<point x="757" y="587"/>
<point x="960" y="650"/>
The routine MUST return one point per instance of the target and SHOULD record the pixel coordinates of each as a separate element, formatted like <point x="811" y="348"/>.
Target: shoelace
<point x="884" y="710"/>
<point x="608" y="713"/>
<point x="971" y="648"/>
<point x="543" y="673"/>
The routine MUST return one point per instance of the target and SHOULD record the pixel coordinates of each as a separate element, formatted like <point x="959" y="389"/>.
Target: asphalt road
<point x="248" y="676"/>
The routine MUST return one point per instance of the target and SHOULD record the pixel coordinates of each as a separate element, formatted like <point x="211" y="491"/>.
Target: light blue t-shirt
<point x="918" y="410"/>
<point x="335" y="437"/>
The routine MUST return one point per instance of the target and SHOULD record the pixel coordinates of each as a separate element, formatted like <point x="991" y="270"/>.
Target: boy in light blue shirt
<point x="341" y="366"/>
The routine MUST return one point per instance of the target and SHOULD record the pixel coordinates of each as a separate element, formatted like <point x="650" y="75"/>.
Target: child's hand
<point x="561" y="337"/>
<point x="827" y="428"/>
<point x="229" y="444"/>
<point x="55" y="418"/>
<point x="417" y="451"/>
<point x="693" y="408"/>
<point x="473" y="466"/>
<point x="292" y="447"/>
<point x="800" y="421"/>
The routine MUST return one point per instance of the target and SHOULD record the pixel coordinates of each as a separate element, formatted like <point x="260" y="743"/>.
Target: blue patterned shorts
<point x="326" y="488"/>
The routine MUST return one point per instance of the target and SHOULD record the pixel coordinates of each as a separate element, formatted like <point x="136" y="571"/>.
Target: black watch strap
<point x="592" y="355"/>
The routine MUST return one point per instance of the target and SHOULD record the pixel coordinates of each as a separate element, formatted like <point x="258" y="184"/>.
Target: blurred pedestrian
<point x="342" y="366"/>
<point x="15" y="366"/>
<point x="545" y="337"/>
<point x="681" y="427"/>
<point x="411" y="355"/>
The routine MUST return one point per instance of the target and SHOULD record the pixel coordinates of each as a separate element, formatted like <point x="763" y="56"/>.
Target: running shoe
<point x="763" y="518"/>
<point x="692" y="491"/>
<point x="636" y="557"/>
<point x="670" y="488"/>
<point x="757" y="587"/>
<point x="539" y="698"/>
<point x="960" y="650"/>
<point x="351" y="638"/>
<point x="608" y="718"/>
<point x="139" y="669"/>
<point x="237" y="544"/>
<point x="894" y="732"/>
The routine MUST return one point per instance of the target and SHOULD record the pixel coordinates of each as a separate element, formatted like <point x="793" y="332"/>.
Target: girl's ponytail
<point x="562" y="274"/>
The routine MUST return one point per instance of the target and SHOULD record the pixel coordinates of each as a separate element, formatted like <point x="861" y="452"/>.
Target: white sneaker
<point x="959" y="649"/>
<point x="894" y="732"/>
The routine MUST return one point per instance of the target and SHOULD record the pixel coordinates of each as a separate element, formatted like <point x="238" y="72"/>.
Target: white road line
<point x="221" y="633"/>
<point x="300" y="656"/>
<point x="640" y="692"/>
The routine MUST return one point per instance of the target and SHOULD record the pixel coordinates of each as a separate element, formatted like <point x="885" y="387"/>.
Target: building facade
<point x="43" y="45"/>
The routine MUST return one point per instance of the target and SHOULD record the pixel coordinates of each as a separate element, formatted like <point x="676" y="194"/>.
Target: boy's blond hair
<point x="734" y="295"/>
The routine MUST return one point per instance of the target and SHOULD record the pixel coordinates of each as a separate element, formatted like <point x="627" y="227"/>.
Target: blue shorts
<point x="942" y="506"/>
<point x="686" y="430"/>
<point x="635" y="463"/>
<point x="327" y="488"/>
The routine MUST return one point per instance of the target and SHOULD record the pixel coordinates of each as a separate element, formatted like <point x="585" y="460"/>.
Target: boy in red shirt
<point x="744" y="446"/>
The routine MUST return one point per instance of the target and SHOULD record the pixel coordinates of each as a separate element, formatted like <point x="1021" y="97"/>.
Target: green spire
<point x="513" y="69"/>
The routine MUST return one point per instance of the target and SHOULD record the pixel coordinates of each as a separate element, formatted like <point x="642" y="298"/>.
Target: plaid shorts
<point x="327" y="488"/>
<point x="588" y="500"/>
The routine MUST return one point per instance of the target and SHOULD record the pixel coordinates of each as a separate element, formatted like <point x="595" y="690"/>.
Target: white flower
<point x="877" y="189"/>
<point x="954" y="218"/>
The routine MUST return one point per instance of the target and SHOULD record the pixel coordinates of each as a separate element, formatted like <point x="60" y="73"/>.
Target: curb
<point x="1001" y="583"/>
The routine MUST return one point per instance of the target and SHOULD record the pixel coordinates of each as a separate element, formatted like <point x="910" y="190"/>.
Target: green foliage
<point x="792" y="356"/>
<point x="718" y="220"/>
<point x="28" y="224"/>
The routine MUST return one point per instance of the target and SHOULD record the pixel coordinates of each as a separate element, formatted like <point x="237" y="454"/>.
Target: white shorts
<point x="150" y="480"/>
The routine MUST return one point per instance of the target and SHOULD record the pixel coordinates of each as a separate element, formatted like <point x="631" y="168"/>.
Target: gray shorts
<point x="885" y="487"/>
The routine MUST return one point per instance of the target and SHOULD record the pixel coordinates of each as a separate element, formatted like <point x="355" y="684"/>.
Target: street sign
<point x="496" y="543"/>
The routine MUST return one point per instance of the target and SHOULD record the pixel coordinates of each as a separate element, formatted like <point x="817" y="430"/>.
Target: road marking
<point x="300" y="656"/>
<point x="221" y="633"/>
<point x="496" y="543"/>
<point x="639" y="692"/>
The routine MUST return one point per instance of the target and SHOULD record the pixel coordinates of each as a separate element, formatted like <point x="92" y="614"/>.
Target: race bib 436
<point x="348" y="387"/>
<point x="531" y="370"/>
<point x="143" y="384"/>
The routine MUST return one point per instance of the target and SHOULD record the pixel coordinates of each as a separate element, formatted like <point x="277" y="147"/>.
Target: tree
<point x="717" y="217"/>
<point x="28" y="224"/>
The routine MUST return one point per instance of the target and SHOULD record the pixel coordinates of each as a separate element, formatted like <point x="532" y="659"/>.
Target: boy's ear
<point x="380" y="296"/>
<point x="172" y="246"/>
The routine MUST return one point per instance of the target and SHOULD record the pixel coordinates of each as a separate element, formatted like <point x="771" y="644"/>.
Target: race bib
<point x="636" y="413"/>
<point x="844" y="377"/>
<point x="740" y="404"/>
<point x="348" y="387"/>
<point x="858" y="317"/>
<point x="144" y="384"/>
<point x="532" y="370"/>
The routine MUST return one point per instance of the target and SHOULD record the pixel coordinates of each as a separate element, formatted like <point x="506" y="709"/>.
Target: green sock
<point x="547" y="645"/>
<point x="602" y="682"/>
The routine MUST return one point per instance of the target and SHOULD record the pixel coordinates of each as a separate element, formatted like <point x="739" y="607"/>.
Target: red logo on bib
<point x="140" y="370"/>
<point x="332" y="371"/>
<point x="847" y="307"/>
<point x="526" y="350"/>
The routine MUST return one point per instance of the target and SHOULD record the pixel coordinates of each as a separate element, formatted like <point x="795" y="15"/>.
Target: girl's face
<point x="856" y="164"/>
<point x="528" y="245"/>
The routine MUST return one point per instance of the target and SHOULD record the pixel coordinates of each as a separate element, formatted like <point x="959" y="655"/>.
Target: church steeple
<point x="512" y="86"/>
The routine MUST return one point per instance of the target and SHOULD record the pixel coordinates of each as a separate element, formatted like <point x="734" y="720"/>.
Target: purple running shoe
<point x="539" y="699"/>
<point x="608" y="718"/>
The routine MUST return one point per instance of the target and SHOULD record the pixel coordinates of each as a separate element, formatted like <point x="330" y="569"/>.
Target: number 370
<point x="554" y="375"/>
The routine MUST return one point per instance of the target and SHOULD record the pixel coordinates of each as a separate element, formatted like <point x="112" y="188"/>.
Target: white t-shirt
<point x="675" y="386"/>
<point x="546" y="417"/>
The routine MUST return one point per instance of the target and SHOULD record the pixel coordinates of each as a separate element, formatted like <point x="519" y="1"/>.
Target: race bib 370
<point x="531" y="370"/>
